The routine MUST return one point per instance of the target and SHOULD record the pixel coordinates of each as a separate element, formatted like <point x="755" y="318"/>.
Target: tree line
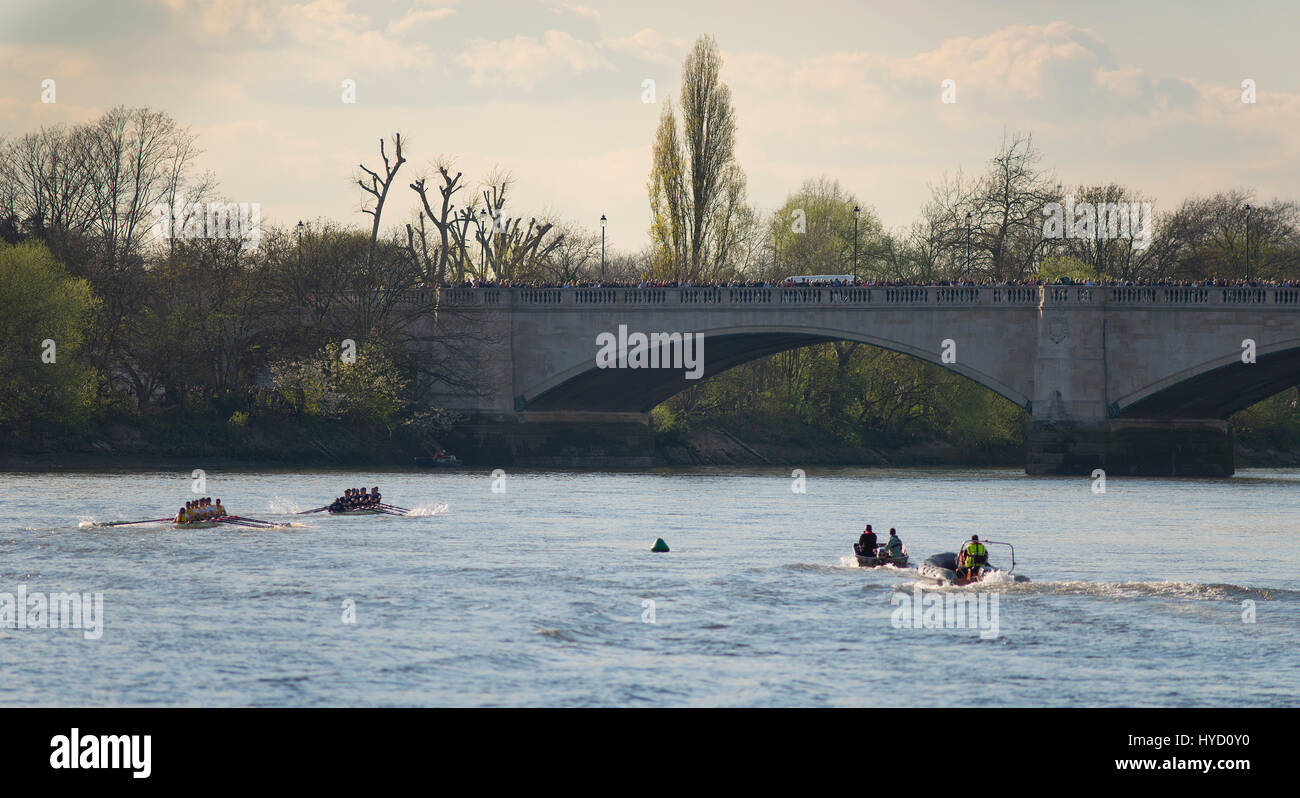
<point x="148" y="319"/>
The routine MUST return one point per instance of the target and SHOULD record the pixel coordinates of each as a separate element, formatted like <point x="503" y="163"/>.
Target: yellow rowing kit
<point x="188" y="516"/>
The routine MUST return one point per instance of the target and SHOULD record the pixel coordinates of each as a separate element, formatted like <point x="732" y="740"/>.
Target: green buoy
<point x="659" y="545"/>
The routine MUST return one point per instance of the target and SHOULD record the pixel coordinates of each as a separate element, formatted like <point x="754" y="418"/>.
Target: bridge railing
<point x="861" y="296"/>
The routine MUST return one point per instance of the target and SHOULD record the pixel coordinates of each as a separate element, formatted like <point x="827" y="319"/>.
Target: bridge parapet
<point x="864" y="296"/>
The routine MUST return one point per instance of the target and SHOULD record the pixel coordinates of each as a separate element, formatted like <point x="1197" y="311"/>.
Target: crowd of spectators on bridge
<point x="1217" y="282"/>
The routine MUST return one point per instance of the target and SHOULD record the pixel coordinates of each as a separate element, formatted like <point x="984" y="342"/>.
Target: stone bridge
<point x="1133" y="380"/>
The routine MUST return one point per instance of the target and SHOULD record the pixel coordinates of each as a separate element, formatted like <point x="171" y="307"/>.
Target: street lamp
<point x="300" y="243"/>
<point x="482" y="250"/>
<point x="857" y="214"/>
<point x="603" y="222"/>
<point x="1247" y="244"/>
<point x="968" y="244"/>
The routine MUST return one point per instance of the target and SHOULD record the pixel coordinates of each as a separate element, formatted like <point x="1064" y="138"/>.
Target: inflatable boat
<point x="875" y="561"/>
<point x="942" y="568"/>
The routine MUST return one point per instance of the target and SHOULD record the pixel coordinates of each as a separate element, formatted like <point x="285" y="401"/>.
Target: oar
<point x="394" y="507"/>
<point x="317" y="510"/>
<point x="251" y="523"/>
<point x="231" y="522"/>
<point x="129" y="523"/>
<point x="248" y="521"/>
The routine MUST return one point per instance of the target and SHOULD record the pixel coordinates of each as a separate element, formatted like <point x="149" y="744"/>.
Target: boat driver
<point x="973" y="554"/>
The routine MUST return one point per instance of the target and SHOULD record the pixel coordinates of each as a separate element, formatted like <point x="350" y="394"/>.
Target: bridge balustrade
<point x="896" y="295"/>
<point x="1015" y="295"/>
<point x="1132" y="295"/>
<point x="644" y="296"/>
<point x="801" y="296"/>
<point x="1185" y="295"/>
<point x="925" y="296"/>
<point x="749" y="296"/>
<point x="540" y="296"/>
<point x="701" y="296"/>
<point x="595" y="296"/>
<point x="844" y="296"/>
<point x="1244" y="296"/>
<point x="957" y="294"/>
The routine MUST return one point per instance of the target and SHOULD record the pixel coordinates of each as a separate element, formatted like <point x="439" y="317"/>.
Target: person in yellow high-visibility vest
<point x="973" y="555"/>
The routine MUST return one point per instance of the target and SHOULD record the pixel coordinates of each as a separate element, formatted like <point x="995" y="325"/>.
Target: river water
<point x="545" y="592"/>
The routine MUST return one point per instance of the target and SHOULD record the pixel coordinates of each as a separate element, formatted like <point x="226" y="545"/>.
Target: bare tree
<point x="442" y="220"/>
<point x="378" y="188"/>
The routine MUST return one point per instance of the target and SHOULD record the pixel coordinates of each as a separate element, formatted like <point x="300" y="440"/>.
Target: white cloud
<point x="419" y="17"/>
<point x="648" y="44"/>
<point x="582" y="11"/>
<point x="526" y="61"/>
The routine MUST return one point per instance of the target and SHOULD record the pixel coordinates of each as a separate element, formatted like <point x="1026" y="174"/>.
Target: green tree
<point x="45" y="317"/>
<point x="697" y="190"/>
<point x="369" y="389"/>
<point x="813" y="231"/>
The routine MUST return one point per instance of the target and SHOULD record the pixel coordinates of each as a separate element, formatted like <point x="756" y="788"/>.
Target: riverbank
<point x="175" y="440"/>
<point x="271" y="443"/>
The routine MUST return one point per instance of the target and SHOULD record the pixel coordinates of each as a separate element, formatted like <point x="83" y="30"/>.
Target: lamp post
<point x="603" y="222"/>
<point x="482" y="237"/>
<point x="1247" y="244"/>
<point x="300" y="243"/>
<point x="857" y="214"/>
<point x="967" y="244"/>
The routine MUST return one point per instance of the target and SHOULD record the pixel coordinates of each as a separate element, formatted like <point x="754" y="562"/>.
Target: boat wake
<point x="1127" y="590"/>
<point x="852" y="562"/>
<point x="284" y="506"/>
<point x="429" y="510"/>
<point x="1163" y="589"/>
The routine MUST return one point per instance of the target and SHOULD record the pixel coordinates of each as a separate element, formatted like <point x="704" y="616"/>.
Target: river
<point x="544" y="591"/>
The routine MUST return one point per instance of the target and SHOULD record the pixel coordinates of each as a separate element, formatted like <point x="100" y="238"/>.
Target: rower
<point x="180" y="516"/>
<point x="973" y="555"/>
<point x="221" y="511"/>
<point x="375" y="492"/>
<point x="867" y="542"/>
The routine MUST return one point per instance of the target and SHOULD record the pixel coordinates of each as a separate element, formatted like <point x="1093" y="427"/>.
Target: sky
<point x="1148" y="94"/>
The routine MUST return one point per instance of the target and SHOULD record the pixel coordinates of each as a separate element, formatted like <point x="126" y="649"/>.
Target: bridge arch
<point x="584" y="386"/>
<point x="1218" y="387"/>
